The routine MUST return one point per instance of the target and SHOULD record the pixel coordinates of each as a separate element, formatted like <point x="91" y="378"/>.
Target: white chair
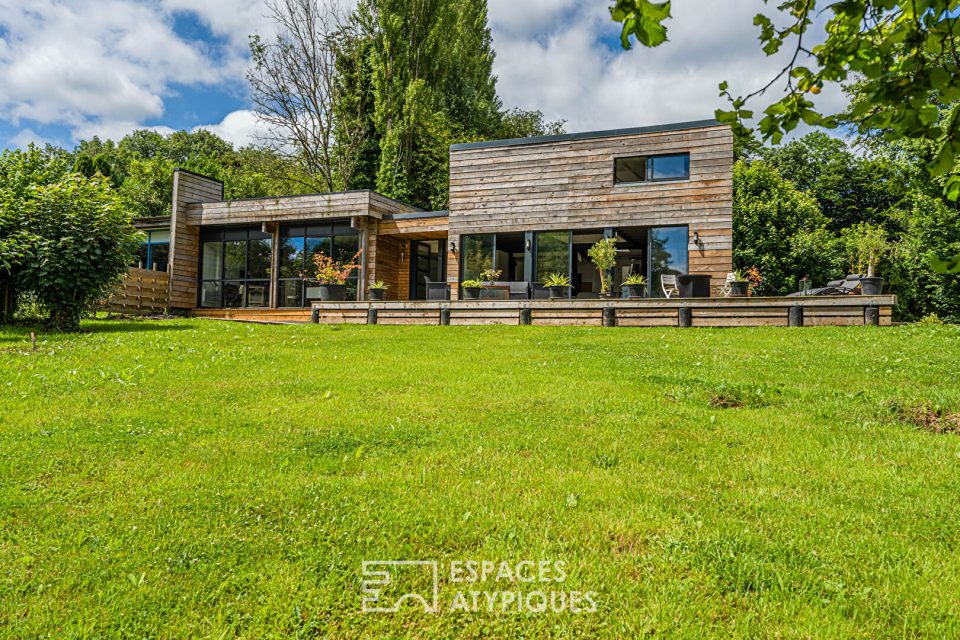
<point x="669" y="285"/>
<point x="726" y="289"/>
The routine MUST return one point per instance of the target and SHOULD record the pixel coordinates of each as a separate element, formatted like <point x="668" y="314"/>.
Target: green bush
<point x="80" y="242"/>
<point x="932" y="228"/>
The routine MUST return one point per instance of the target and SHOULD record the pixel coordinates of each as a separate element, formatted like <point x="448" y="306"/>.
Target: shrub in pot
<point x="739" y="286"/>
<point x="604" y="256"/>
<point x="377" y="289"/>
<point x="558" y="284"/>
<point x="332" y="275"/>
<point x="636" y="284"/>
<point x="866" y="246"/>
<point x="471" y="289"/>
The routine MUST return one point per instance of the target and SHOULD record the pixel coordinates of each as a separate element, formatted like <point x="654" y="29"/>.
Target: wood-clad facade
<point x="567" y="182"/>
<point x="507" y="197"/>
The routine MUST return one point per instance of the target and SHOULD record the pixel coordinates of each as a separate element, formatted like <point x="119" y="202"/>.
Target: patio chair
<point x="845" y="287"/>
<point x="669" y="285"/>
<point x="726" y="289"/>
<point x="437" y="290"/>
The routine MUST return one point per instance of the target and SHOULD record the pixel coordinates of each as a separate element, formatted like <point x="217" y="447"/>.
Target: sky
<point x="72" y="69"/>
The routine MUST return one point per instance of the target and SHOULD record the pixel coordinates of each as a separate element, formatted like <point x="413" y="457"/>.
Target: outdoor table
<point x="694" y="286"/>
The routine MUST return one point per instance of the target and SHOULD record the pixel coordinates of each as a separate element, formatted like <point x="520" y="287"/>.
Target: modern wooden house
<point x="526" y="207"/>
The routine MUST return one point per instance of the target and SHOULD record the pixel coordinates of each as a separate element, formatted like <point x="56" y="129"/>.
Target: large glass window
<point x="478" y="251"/>
<point x="299" y="244"/>
<point x="553" y="254"/>
<point x="668" y="256"/>
<point x="652" y="168"/>
<point x="154" y="252"/>
<point x="235" y="268"/>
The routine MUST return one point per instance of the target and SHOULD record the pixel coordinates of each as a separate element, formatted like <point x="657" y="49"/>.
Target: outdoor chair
<point x="845" y="287"/>
<point x="726" y="289"/>
<point x="437" y="290"/>
<point x="669" y="285"/>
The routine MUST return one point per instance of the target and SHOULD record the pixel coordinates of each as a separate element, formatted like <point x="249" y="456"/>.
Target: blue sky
<point x="71" y="69"/>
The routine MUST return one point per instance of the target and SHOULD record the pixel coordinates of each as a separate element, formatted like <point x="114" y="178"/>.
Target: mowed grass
<point x="203" y="479"/>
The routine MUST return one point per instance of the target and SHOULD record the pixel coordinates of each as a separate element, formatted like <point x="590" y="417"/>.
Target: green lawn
<point x="209" y="479"/>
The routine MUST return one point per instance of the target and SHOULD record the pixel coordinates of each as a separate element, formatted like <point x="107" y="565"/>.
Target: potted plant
<point x="604" y="256"/>
<point x="739" y="286"/>
<point x="332" y="276"/>
<point x="471" y="289"/>
<point x="558" y="284"/>
<point x="377" y="289"/>
<point x="635" y="283"/>
<point x="866" y="246"/>
<point x="489" y="276"/>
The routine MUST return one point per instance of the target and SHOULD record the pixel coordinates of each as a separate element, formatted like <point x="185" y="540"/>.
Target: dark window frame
<point x="329" y="230"/>
<point x="650" y="161"/>
<point x="219" y="235"/>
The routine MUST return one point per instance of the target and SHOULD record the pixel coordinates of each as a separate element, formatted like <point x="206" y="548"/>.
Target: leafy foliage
<point x="866" y="246"/>
<point x="643" y="20"/>
<point x="79" y="243"/>
<point x="556" y="280"/>
<point x="779" y="230"/>
<point x="603" y="254"/>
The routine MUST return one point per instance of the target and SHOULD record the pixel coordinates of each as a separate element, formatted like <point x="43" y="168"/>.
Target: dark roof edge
<point x="199" y="175"/>
<point x="416" y="215"/>
<point x="586" y="135"/>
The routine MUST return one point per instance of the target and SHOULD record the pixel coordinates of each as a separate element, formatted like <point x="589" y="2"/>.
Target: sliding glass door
<point x="667" y="256"/>
<point x="552" y="254"/>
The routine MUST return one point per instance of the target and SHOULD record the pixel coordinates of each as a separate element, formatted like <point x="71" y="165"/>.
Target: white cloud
<point x="26" y="137"/>
<point x="99" y="65"/>
<point x="240" y="128"/>
<point x="564" y="58"/>
<point x="105" y="67"/>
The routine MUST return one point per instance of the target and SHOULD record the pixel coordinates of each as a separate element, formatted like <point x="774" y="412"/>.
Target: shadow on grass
<point x="122" y="326"/>
<point x="15" y="333"/>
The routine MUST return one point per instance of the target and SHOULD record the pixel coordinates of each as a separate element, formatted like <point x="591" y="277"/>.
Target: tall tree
<point x="295" y="90"/>
<point x="432" y="82"/>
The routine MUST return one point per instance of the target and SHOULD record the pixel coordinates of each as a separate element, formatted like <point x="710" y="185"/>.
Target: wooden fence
<point x="142" y="292"/>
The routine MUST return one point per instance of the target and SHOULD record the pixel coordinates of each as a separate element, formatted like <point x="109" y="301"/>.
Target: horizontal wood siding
<point x="570" y="185"/>
<point x="705" y="312"/>
<point x="188" y="191"/>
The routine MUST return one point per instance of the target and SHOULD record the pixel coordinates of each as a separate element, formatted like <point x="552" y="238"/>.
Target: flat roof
<point x="586" y="135"/>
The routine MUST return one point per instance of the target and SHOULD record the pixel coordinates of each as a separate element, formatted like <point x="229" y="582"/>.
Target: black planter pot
<point x="739" y="289"/>
<point x="472" y="293"/>
<point x="606" y="294"/>
<point x="376" y="294"/>
<point x="871" y="286"/>
<point x="333" y="292"/>
<point x="558" y="292"/>
<point x="635" y="290"/>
